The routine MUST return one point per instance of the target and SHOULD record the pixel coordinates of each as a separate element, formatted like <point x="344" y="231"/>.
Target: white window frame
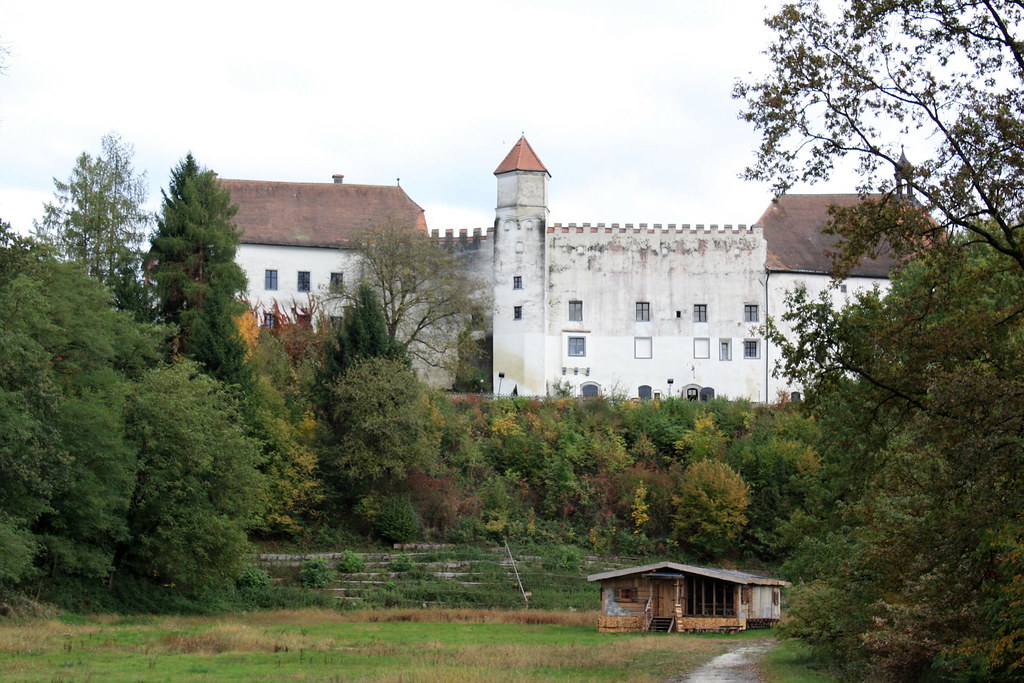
<point x="576" y="310"/>
<point x="701" y="348"/>
<point x="581" y="347"/>
<point x="757" y="349"/>
<point x="724" y="349"/>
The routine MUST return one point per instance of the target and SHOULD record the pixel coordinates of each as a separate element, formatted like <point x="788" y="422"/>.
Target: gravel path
<point x="735" y="666"/>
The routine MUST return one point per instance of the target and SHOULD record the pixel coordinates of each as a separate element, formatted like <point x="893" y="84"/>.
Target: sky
<point x="628" y="105"/>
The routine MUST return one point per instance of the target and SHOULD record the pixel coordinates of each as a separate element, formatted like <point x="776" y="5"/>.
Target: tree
<point x="918" y="393"/>
<point x="197" y="489"/>
<point x="710" y="508"/>
<point x="98" y="220"/>
<point x="427" y="296"/>
<point x="382" y="420"/>
<point x="197" y="279"/>
<point x="945" y="76"/>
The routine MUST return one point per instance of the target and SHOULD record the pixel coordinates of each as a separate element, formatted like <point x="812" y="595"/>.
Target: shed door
<point x="664" y="598"/>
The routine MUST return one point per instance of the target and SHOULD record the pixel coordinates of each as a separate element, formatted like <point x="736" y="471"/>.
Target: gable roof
<point x="316" y="214"/>
<point x="723" y="574"/>
<point x="521" y="158"/>
<point x="793" y="226"/>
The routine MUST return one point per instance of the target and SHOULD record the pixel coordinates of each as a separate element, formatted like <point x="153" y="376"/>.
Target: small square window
<point x="701" y="347"/>
<point x="517" y="312"/>
<point x="724" y="349"/>
<point x="577" y="346"/>
<point x="643" y="311"/>
<point x="576" y="311"/>
<point x="751" y="349"/>
<point x="337" y="281"/>
<point x="750" y="313"/>
<point x="303" y="284"/>
<point x="643" y="347"/>
<point x="517" y="282"/>
<point x="270" y="279"/>
<point x="625" y="594"/>
<point x="700" y="313"/>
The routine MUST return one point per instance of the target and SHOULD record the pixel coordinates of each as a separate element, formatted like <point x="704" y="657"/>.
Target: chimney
<point x="338" y="178"/>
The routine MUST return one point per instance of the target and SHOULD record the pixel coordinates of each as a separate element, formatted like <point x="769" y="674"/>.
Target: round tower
<point x="519" y="316"/>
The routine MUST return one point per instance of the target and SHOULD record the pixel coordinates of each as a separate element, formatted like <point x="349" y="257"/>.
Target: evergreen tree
<point x="362" y="334"/>
<point x="97" y="220"/>
<point x="197" y="279"/>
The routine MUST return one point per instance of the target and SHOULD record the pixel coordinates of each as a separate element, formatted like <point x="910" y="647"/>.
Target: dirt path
<point x="736" y="666"/>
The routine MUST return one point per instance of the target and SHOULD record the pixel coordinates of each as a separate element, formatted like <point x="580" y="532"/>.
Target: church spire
<point x="521" y="158"/>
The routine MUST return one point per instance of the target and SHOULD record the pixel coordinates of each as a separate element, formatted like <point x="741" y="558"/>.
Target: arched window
<point x="707" y="393"/>
<point x="644" y="391"/>
<point x="590" y="389"/>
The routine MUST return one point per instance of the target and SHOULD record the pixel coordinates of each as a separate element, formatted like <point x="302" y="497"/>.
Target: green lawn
<point x="325" y="645"/>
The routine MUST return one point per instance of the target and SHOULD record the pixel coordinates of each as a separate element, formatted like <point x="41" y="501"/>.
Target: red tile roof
<point x="521" y="158"/>
<point x="793" y="229"/>
<point x="316" y="214"/>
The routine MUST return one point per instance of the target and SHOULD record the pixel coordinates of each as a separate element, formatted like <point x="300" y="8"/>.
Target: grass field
<point x="389" y="645"/>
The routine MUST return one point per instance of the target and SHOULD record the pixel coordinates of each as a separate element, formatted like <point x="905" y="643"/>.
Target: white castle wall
<point x="320" y="262"/>
<point x="611" y="268"/>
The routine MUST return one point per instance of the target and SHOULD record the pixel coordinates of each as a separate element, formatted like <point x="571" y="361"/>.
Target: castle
<point x="637" y="310"/>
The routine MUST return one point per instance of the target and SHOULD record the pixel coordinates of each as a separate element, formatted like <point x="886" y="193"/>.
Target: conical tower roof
<point x="521" y="158"/>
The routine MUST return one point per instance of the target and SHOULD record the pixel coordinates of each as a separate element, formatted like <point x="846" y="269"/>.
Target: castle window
<point x="517" y="312"/>
<point x="303" y="281"/>
<point x="644" y="391"/>
<point x="337" y="280"/>
<point x="700" y="313"/>
<point x="270" y="279"/>
<point x="750" y="313"/>
<point x="576" y="311"/>
<point x="643" y="347"/>
<point x="702" y="347"/>
<point x="724" y="349"/>
<point x="269" y="320"/>
<point x="751" y="349"/>
<point x="577" y="346"/>
<point x="643" y="311"/>
<point x="517" y="282"/>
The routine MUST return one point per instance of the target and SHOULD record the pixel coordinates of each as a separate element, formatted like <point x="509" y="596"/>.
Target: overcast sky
<point x="627" y="104"/>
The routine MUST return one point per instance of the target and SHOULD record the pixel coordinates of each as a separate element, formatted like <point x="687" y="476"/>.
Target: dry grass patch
<point x="310" y="617"/>
<point x="235" y="637"/>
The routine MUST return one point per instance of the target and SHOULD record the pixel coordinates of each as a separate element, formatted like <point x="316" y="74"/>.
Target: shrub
<point x="564" y="557"/>
<point x="351" y="563"/>
<point x="252" y="578"/>
<point x="402" y="563"/>
<point x="315" y="573"/>
<point x="396" y="521"/>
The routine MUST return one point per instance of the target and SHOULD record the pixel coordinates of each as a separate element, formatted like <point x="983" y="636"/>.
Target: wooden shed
<point x="667" y="596"/>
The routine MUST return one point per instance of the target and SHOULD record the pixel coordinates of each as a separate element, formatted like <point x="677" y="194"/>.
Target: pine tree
<point x="194" y="269"/>
<point x="362" y="334"/>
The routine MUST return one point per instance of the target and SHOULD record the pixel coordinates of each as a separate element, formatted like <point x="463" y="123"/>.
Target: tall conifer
<point x="193" y="266"/>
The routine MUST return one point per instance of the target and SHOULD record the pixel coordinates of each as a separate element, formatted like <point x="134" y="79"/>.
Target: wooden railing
<point x="648" y="613"/>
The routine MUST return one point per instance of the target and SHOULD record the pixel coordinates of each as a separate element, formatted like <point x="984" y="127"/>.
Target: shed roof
<point x="793" y="226"/>
<point x="316" y="214"/>
<point x="723" y="574"/>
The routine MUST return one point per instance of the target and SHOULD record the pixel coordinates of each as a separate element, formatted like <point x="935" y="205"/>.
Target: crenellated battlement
<point x="653" y="228"/>
<point x="461" y="234"/>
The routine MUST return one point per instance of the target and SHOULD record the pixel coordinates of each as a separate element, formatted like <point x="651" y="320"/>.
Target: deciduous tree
<point x="428" y="297"/>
